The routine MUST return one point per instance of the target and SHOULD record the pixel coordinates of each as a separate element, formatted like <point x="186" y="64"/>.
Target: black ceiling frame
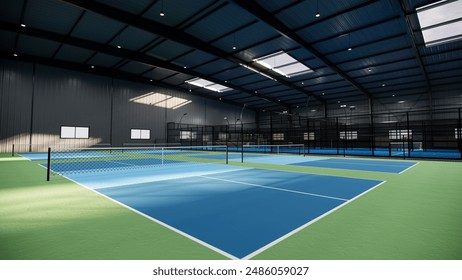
<point x="407" y="22"/>
<point x="174" y="35"/>
<point x="261" y="13"/>
<point x="123" y="53"/>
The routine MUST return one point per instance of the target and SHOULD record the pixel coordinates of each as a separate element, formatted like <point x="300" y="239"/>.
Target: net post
<point x="226" y="153"/>
<point x="48" y="164"/>
<point x="12" y="151"/>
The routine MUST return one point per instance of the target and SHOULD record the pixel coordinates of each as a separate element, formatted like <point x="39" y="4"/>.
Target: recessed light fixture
<point x="150" y="80"/>
<point x="349" y="49"/>
<point x="92" y="67"/>
<point x="393" y="95"/>
<point x="323" y="93"/>
<point x="185" y="67"/>
<point x="401" y="101"/>
<point x="23" y="25"/>
<point x="383" y="84"/>
<point x="369" y="69"/>
<point x="161" y="14"/>
<point x="15" y="54"/>
<point x="234" y="47"/>
<point x="119" y="46"/>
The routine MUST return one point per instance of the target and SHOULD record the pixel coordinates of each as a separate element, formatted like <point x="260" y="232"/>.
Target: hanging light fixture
<point x="162" y="9"/>
<point x="317" y="9"/>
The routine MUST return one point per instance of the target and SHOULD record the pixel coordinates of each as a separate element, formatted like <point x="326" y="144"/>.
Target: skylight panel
<point x="441" y="22"/>
<point x="161" y="100"/>
<point x="208" y="85"/>
<point x="283" y="64"/>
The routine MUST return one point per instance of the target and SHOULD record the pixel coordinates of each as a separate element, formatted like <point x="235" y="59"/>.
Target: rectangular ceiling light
<point x="161" y="100"/>
<point x="208" y="85"/>
<point x="283" y="64"/>
<point x="441" y="22"/>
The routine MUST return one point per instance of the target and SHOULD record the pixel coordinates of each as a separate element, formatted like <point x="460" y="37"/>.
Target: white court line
<point x="273" y="188"/>
<point x="362" y="163"/>
<point x="408" y="168"/>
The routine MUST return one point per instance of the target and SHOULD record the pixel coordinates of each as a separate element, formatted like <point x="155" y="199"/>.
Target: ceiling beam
<point x="176" y="35"/>
<point x="404" y="15"/>
<point x="254" y="8"/>
<point x="125" y="54"/>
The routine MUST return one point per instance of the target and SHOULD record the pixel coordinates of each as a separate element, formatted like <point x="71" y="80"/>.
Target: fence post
<point x="49" y="164"/>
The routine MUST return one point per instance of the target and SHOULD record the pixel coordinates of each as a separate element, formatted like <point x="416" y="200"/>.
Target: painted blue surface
<point x="358" y="164"/>
<point x="239" y="211"/>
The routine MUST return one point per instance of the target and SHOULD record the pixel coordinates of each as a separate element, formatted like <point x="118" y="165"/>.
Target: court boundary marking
<point x="274" y="188"/>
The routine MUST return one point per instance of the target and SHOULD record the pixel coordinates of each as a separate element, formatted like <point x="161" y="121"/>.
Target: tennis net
<point x="298" y="149"/>
<point x="84" y="160"/>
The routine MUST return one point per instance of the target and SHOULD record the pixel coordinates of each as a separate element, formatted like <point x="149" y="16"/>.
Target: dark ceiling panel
<point x="104" y="60"/>
<point x="73" y="54"/>
<point x="36" y="46"/>
<point x="177" y="11"/>
<point x="96" y="28"/>
<point x="134" y="7"/>
<point x="51" y="15"/>
<point x="7" y="42"/>
<point x="134" y="38"/>
<point x="168" y="50"/>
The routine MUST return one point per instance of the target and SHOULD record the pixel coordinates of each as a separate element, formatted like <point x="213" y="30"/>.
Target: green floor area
<point x="414" y="215"/>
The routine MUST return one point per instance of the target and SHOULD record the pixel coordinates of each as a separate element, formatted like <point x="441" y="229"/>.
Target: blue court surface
<point x="233" y="210"/>
<point x="358" y="164"/>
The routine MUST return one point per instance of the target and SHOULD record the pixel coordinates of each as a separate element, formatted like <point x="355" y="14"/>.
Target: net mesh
<point x="71" y="161"/>
<point x="298" y="149"/>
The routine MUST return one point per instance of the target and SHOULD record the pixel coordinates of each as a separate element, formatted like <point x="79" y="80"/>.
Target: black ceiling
<point x="196" y="39"/>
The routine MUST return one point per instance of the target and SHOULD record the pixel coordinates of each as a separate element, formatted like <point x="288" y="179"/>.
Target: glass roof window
<point x="161" y="100"/>
<point x="441" y="22"/>
<point x="283" y="64"/>
<point x="208" y="85"/>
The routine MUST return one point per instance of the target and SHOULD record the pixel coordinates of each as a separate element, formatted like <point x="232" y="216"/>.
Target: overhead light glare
<point x="23" y="25"/>
<point x="283" y="64"/>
